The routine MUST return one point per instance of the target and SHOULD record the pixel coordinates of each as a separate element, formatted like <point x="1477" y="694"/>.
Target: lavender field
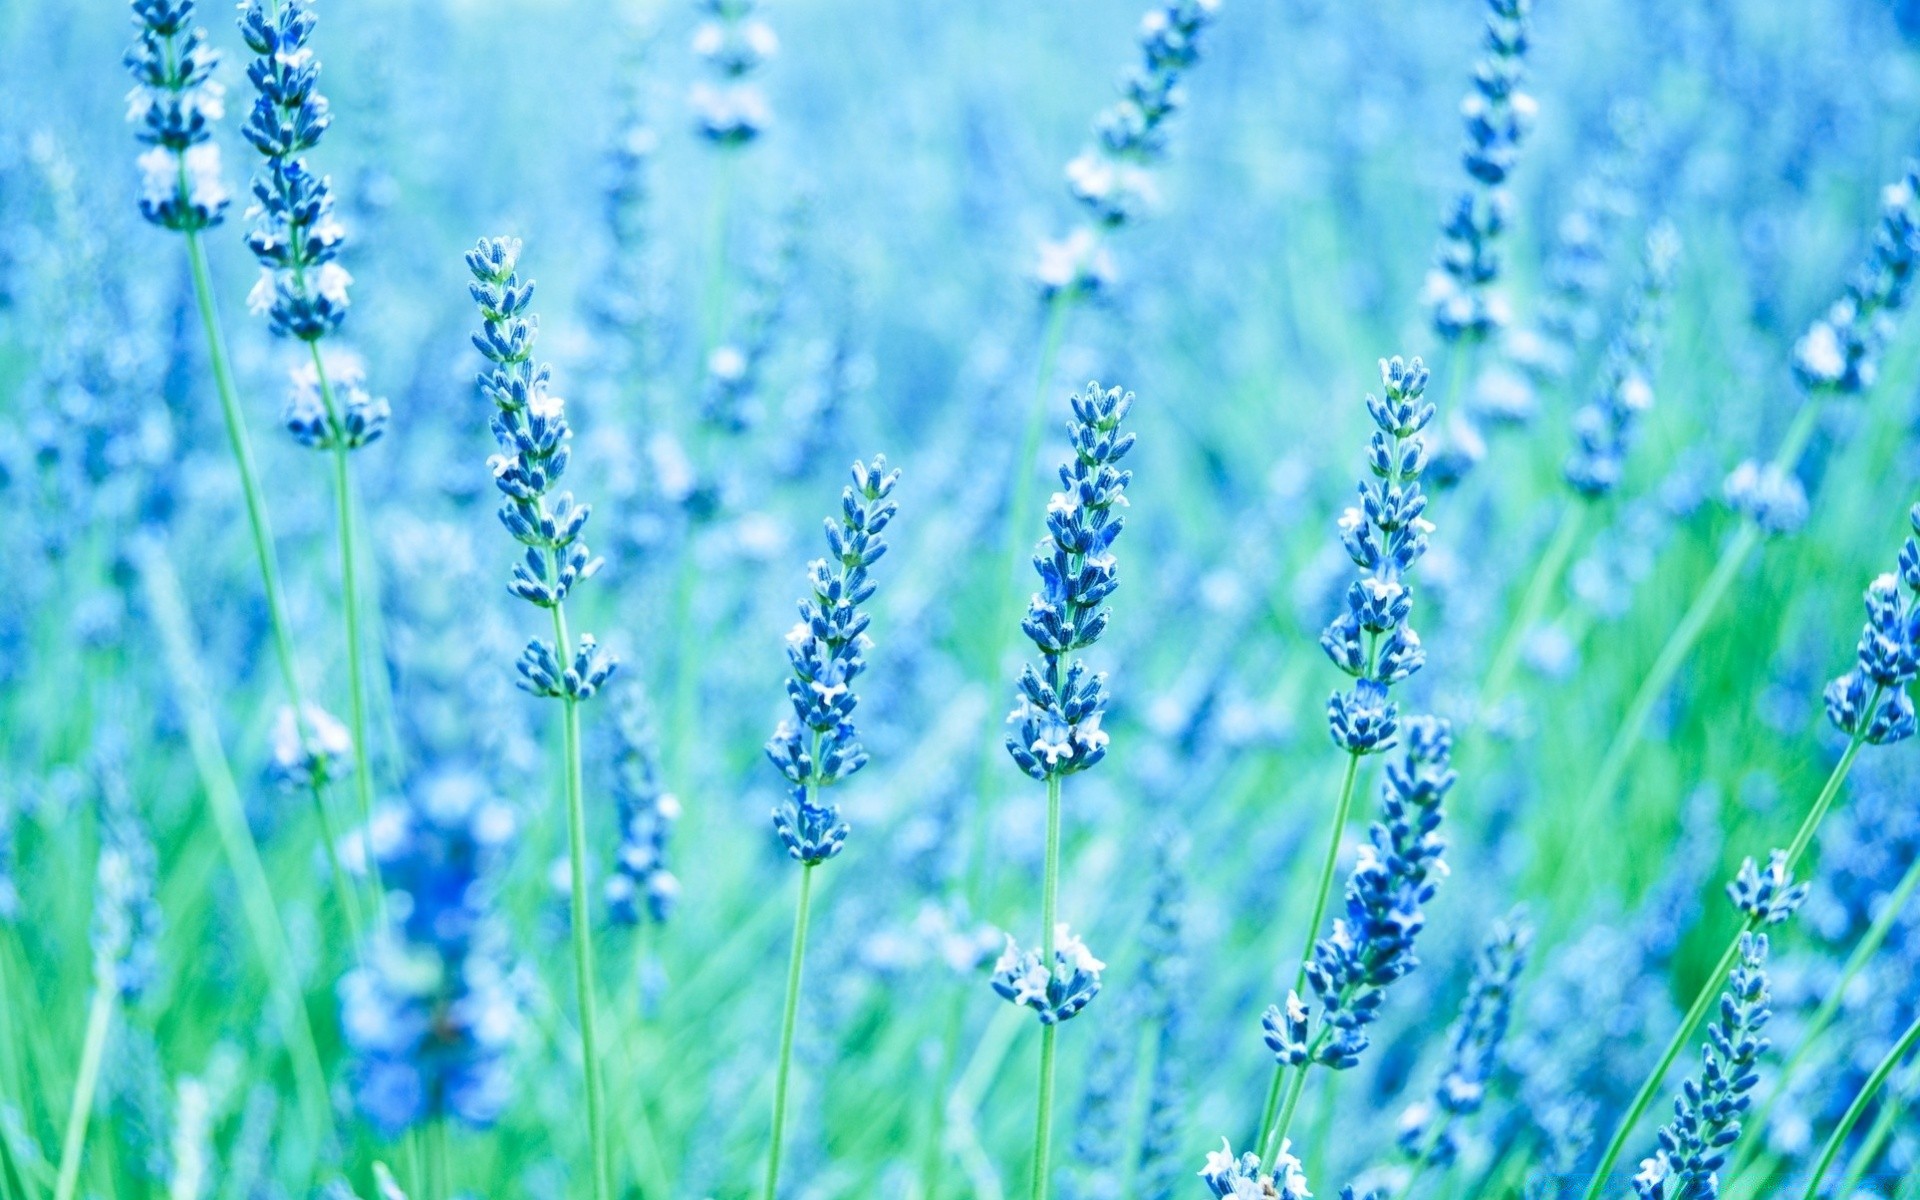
<point x="710" y="599"/>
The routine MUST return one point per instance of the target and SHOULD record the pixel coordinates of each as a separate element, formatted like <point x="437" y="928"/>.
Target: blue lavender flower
<point x="1576" y="271"/>
<point x="1840" y="352"/>
<point x="1113" y="178"/>
<point x="530" y="425"/>
<point x="1399" y="867"/>
<point x="1767" y="494"/>
<point x="1498" y="115"/>
<point x="432" y="1013"/>
<point x="361" y="419"/>
<point x="309" y="750"/>
<point x="1057" y="994"/>
<point x="1870" y="701"/>
<point x="731" y="110"/>
<point x="175" y="103"/>
<point x="1706" y="1115"/>
<point x="640" y="885"/>
<point x="819" y="747"/>
<point x="1245" y="1178"/>
<point x="1385" y="536"/>
<point x="1766" y="897"/>
<point x="1056" y="722"/>
<point x="1473" y="1045"/>
<point x="1603" y="426"/>
<point x="295" y="235"/>
<point x="126" y="910"/>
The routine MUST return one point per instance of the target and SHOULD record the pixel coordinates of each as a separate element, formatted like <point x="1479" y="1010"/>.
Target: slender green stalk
<point x="236" y="836"/>
<point x="582" y="915"/>
<point x="1673" y="655"/>
<point x="443" y="1160"/>
<point x="1679" y="645"/>
<point x="1043" y="1116"/>
<point x="1710" y="989"/>
<point x="350" y="604"/>
<point x="1000" y="627"/>
<point x="1049" y="905"/>
<point x="99" y="1020"/>
<point x="1423" y="1156"/>
<point x="1869" y="944"/>
<point x="234" y="418"/>
<point x="1868" y="1091"/>
<point x="1342" y="809"/>
<point x="1871" y="1145"/>
<point x="1013" y="548"/>
<point x="796" y="961"/>
<point x="1270" y="1140"/>
<point x="1533" y="603"/>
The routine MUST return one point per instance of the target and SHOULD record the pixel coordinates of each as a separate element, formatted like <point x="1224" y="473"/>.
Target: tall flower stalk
<point x="530" y="425"/>
<point x="1385" y="535"/>
<point x="1463" y="307"/>
<point x="1763" y="896"/>
<point x="1113" y="182"/>
<point x="126" y="921"/>
<point x="1875" y="1081"/>
<point x="174" y="106"/>
<point x="1603" y="429"/>
<point x="1706" y="1116"/>
<point x="1427" y="1131"/>
<point x="1871" y="706"/>
<point x="303" y="293"/>
<point x="1351" y="968"/>
<point x="819" y="746"/>
<point x="1838" y="357"/>
<point x="1056" y="721"/>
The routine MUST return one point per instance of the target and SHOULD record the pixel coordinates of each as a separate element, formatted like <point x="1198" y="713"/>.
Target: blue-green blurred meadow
<point x="198" y="1002"/>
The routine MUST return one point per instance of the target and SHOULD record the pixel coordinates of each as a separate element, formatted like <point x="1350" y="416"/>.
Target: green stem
<point x="241" y="446"/>
<point x="443" y="1161"/>
<point x="1271" y="1140"/>
<point x="1680" y="643"/>
<point x="1871" y="1145"/>
<point x="582" y="916"/>
<point x="99" y="1020"/>
<point x="1049" y="906"/>
<point x="796" y="962"/>
<point x="1870" y="943"/>
<point x="1533" y="603"/>
<point x="1424" y="1156"/>
<point x="1000" y="623"/>
<point x="350" y="604"/>
<point x="1342" y="809"/>
<point x="1673" y="656"/>
<point x="1043" y="1116"/>
<point x="999" y="627"/>
<point x="1865" y="1096"/>
<point x="236" y="837"/>
<point x="1710" y="989"/>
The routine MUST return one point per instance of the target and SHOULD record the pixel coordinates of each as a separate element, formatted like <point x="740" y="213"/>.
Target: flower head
<point x="1384" y="535"/>
<point x="295" y="234"/>
<point x="174" y="105"/>
<point x="1056" y="994"/>
<point x="819" y="746"/>
<point x="1055" y="722"/>
<point x="433" y="1011"/>
<point x="1870" y="701"/>
<point x="535" y="445"/>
